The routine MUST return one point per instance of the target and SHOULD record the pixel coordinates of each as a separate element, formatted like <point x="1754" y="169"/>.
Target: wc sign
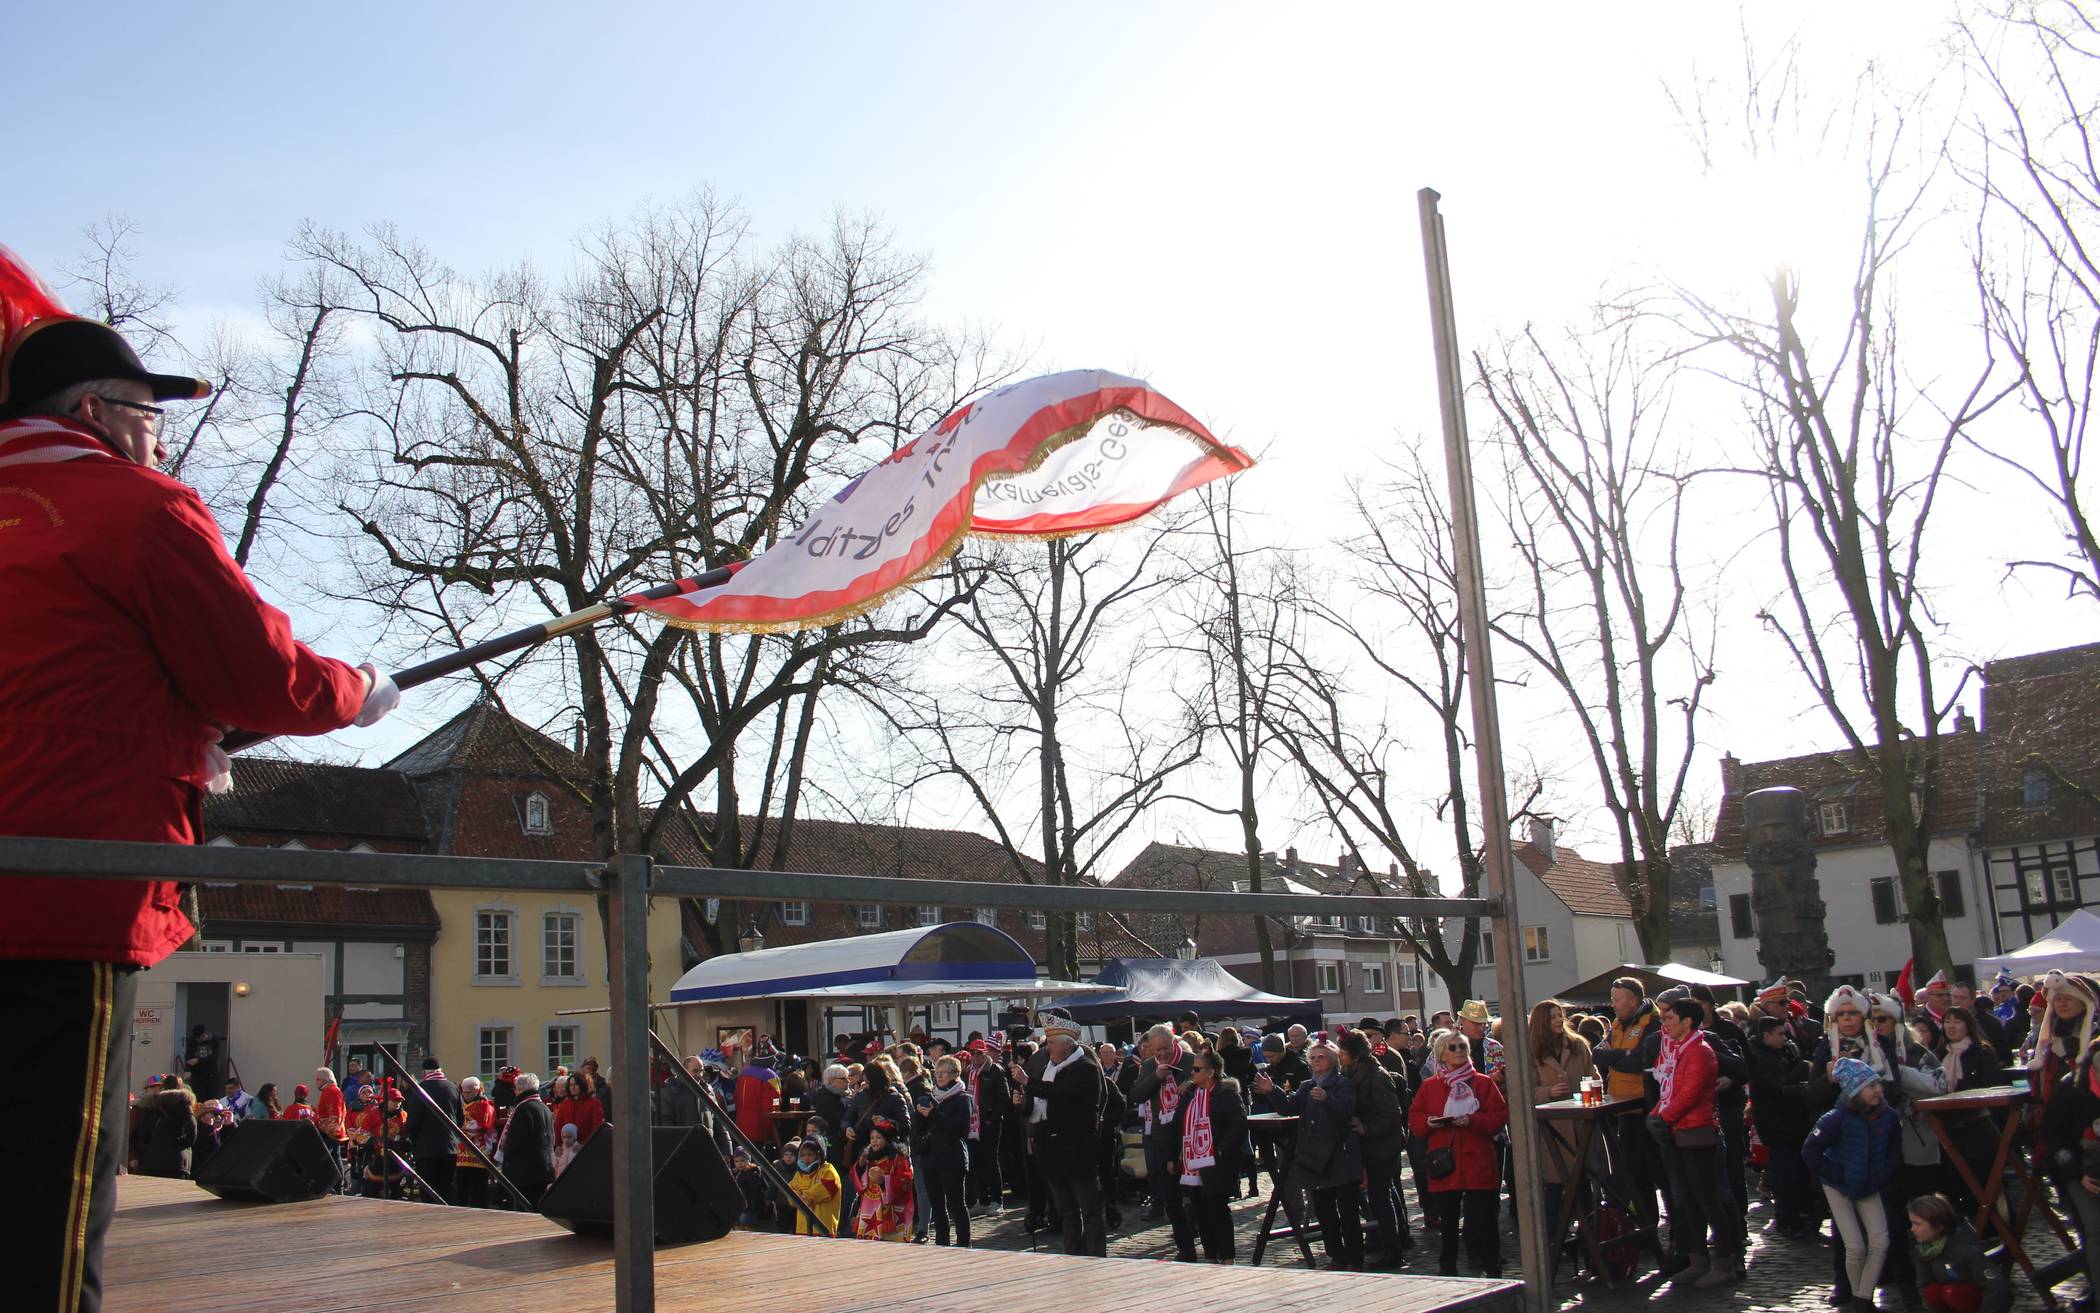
<point x="146" y="1023"/>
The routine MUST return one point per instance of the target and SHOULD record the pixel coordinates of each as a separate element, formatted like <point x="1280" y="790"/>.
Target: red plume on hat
<point x="24" y="297"/>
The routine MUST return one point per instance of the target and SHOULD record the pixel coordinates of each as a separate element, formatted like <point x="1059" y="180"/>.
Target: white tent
<point x="2074" y="945"/>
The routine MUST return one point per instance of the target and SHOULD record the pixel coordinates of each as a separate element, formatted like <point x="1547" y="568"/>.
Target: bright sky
<point x="1220" y="198"/>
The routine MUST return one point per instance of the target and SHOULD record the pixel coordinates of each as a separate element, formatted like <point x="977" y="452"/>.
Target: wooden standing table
<point x="1572" y="1155"/>
<point x="1941" y="1108"/>
<point x="1281" y="1192"/>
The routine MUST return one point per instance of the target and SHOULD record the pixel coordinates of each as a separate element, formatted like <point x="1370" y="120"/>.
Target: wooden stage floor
<point x="175" y="1249"/>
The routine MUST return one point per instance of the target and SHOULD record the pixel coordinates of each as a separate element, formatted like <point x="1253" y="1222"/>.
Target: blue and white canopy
<point x="961" y="959"/>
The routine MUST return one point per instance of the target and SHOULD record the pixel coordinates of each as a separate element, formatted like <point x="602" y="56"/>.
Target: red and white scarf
<point x="43" y="440"/>
<point x="1459" y="1098"/>
<point x="1666" y="1063"/>
<point x="974" y="1100"/>
<point x="1169" y="1092"/>
<point x="1197" y="1150"/>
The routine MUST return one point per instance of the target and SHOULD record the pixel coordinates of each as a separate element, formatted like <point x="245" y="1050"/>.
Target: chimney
<point x="1341" y="863"/>
<point x="1542" y="838"/>
<point x="1962" y="723"/>
<point x="1290" y="860"/>
<point x="1731" y="775"/>
<point x="576" y="737"/>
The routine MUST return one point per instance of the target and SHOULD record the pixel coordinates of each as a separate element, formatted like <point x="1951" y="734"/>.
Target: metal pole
<point x="1519" y="1081"/>
<point x="713" y="1103"/>
<point x="515" y="1193"/>
<point x="634" y="1174"/>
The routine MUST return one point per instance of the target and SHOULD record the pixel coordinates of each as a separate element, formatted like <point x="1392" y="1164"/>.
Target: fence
<point x="629" y="881"/>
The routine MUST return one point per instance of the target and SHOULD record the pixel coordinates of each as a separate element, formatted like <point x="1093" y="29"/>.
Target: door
<point x="206" y="1003"/>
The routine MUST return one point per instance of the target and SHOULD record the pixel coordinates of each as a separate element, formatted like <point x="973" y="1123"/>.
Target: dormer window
<point x="1836" y="818"/>
<point x="537" y="820"/>
<point x="2034" y="789"/>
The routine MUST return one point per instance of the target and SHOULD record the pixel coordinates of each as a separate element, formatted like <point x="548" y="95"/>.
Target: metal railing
<point x="629" y="881"/>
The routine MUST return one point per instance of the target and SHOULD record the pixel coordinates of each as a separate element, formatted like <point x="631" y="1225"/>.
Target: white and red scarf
<point x="1169" y="1091"/>
<point x="1666" y="1064"/>
<point x="1459" y="1098"/>
<point x="974" y="1100"/>
<point x="44" y="440"/>
<point x="1197" y="1149"/>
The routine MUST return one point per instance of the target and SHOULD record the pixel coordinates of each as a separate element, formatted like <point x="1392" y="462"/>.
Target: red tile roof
<point x="327" y="906"/>
<point x="1839" y="777"/>
<point x="2040" y="714"/>
<point x="1588" y="888"/>
<point x="304" y="797"/>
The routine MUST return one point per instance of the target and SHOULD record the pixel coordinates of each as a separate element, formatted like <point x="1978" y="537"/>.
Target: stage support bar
<point x="634" y="1193"/>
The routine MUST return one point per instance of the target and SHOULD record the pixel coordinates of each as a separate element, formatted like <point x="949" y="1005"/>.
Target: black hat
<point x="53" y="354"/>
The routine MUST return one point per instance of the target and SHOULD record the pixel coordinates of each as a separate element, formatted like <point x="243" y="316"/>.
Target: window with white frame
<point x="929" y="916"/>
<point x="1363" y="925"/>
<point x="795" y="913"/>
<point x="2065" y="880"/>
<point x="563" y="1043"/>
<point x="1487" y="946"/>
<point x="558" y="952"/>
<point x="493" y="1046"/>
<point x="1410" y="978"/>
<point x="1374" y="977"/>
<point x="1536" y="949"/>
<point x="537" y="818"/>
<point x="868" y="916"/>
<point x="1328" y="977"/>
<point x="1085" y="921"/>
<point x="1836" y="817"/>
<point x="988" y="916"/>
<point x="1038" y="920"/>
<point x="492" y="945"/>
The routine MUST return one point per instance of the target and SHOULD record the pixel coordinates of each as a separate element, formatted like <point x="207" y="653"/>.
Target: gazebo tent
<point x="1655" y="979"/>
<point x="2074" y="945"/>
<point x="959" y="960"/>
<point x="1168" y="986"/>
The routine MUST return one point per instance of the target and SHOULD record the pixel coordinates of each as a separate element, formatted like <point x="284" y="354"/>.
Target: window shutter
<point x="1740" y="922"/>
<point x="1884" y="891"/>
<point x="1951" y="904"/>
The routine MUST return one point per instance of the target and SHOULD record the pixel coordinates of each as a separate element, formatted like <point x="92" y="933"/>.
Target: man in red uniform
<point x="133" y="641"/>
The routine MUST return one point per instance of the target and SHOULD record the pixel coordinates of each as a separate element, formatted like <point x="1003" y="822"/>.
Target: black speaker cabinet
<point x="270" y="1162"/>
<point x="696" y="1195"/>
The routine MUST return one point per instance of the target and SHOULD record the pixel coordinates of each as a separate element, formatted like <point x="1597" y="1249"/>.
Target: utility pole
<point x="1519" y="1081"/>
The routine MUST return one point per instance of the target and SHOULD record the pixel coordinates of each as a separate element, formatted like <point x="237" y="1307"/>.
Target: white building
<point x="1574" y="918"/>
<point x="1855" y="870"/>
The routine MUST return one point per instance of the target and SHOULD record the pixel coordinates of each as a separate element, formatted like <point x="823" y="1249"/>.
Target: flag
<point x="1047" y="457"/>
<point x="335" y="1024"/>
<point x="24" y="297"/>
<point x="1902" y="988"/>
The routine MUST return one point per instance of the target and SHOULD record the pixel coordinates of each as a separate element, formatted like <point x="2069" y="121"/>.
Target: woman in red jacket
<point x="1459" y="1111"/>
<point x="582" y="1109"/>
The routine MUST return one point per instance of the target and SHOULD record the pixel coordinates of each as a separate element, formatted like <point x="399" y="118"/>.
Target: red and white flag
<point x="1048" y="457"/>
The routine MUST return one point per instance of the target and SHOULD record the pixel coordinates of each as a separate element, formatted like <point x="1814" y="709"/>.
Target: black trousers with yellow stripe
<point x="67" y="1024"/>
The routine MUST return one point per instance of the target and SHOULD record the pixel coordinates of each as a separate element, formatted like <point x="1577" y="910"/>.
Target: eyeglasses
<point x="153" y="414"/>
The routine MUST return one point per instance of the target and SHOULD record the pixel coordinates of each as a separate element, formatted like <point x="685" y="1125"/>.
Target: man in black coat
<point x="1779" y="1105"/>
<point x="986" y="1188"/>
<point x="1063" y="1107"/>
<point x="527" y="1151"/>
<point x="677" y="1103"/>
<point x="430" y="1136"/>
<point x="1164" y="1066"/>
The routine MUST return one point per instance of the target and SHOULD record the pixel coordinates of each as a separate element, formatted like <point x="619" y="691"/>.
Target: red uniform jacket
<point x="329" y="1113"/>
<point x="585" y="1114"/>
<point x="1472" y="1146"/>
<point x="297" y="1112"/>
<point x="478" y="1120"/>
<point x="129" y="631"/>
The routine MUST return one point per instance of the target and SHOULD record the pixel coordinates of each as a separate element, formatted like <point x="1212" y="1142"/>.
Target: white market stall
<point x="2074" y="945"/>
<point x="948" y="980"/>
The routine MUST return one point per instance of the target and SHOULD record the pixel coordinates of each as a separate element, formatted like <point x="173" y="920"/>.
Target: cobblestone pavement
<point x="1789" y="1275"/>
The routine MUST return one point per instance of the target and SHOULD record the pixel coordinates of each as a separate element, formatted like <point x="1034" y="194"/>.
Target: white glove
<point x="381" y="698"/>
<point x="218" y="767"/>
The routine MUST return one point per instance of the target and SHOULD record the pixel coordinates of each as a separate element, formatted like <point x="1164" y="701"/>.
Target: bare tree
<point x="1596" y="495"/>
<point x="1242" y="636"/>
<point x="1347" y="741"/>
<point x="676" y="405"/>
<point x="2037" y="265"/>
<point x="1853" y="457"/>
<point x="1051" y="712"/>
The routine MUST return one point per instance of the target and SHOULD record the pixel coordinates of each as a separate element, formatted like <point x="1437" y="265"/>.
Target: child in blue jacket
<point x="1854" y="1152"/>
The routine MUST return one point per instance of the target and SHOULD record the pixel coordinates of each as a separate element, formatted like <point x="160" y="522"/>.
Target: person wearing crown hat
<point x="1777" y="1000"/>
<point x="1062" y="1104"/>
<point x="133" y="642"/>
<point x="1934" y="997"/>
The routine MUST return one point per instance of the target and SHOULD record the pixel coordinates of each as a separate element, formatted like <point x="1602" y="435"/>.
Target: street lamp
<point x="752" y="940"/>
<point x="1187" y="951"/>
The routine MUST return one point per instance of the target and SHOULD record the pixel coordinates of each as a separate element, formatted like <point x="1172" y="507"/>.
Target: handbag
<point x="1314" y="1153"/>
<point x="1441" y="1162"/>
<point x="1697" y="1137"/>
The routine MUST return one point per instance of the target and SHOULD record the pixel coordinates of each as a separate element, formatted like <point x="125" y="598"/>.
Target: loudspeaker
<point x="696" y="1194"/>
<point x="271" y="1162"/>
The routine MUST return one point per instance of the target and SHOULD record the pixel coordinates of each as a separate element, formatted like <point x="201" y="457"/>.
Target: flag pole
<point x="1519" y="1080"/>
<point x="519" y="639"/>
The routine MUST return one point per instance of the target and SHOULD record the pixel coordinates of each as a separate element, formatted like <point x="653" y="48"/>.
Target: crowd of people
<point x="1809" y="1105"/>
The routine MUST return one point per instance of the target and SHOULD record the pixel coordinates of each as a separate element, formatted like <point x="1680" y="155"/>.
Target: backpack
<point x="1621" y="1253"/>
